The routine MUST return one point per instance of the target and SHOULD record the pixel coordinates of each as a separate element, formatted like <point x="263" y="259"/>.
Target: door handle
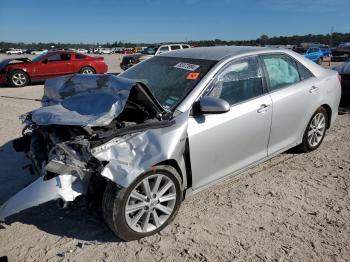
<point x="263" y="108"/>
<point x="314" y="90"/>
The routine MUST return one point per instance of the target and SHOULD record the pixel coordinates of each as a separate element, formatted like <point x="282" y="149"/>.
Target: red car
<point x="21" y="71"/>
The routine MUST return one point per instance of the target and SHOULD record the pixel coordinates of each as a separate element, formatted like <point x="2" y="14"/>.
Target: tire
<point x="308" y="144"/>
<point x="120" y="215"/>
<point x="87" y="70"/>
<point x="19" y="78"/>
<point x="319" y="61"/>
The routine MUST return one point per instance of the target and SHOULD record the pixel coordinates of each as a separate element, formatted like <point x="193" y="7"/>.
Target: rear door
<point x="295" y="94"/>
<point x="223" y="143"/>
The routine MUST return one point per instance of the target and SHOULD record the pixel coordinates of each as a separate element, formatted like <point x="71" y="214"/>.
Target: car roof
<point x="216" y="53"/>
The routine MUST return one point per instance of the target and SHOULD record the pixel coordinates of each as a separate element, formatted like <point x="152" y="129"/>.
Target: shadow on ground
<point x="78" y="221"/>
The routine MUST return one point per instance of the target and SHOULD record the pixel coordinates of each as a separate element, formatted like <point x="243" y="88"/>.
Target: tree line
<point x="333" y="39"/>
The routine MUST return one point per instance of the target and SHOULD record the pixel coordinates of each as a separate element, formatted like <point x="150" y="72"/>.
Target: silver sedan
<point x="170" y="127"/>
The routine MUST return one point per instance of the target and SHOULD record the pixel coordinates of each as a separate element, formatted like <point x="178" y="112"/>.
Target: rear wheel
<point x="319" y="61"/>
<point x="315" y="131"/>
<point x="87" y="70"/>
<point x="148" y="205"/>
<point x="19" y="78"/>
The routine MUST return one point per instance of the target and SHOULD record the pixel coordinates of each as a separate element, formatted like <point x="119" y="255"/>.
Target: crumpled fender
<point x="131" y="155"/>
<point x="66" y="187"/>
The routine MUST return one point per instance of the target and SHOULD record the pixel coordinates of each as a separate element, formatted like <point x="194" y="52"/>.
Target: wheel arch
<point x="329" y="114"/>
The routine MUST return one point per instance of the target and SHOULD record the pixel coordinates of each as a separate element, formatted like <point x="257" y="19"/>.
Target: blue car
<point x="313" y="53"/>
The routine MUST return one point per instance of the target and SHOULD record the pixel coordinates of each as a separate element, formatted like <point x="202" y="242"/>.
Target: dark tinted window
<point x="281" y="71"/>
<point x="303" y="72"/>
<point x="238" y="82"/>
<point x="58" y="57"/>
<point x="175" y="47"/>
<point x="184" y="46"/>
<point x="80" y="56"/>
<point x="170" y="79"/>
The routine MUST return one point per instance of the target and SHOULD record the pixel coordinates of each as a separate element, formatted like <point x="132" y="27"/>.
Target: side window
<point x="238" y="82"/>
<point x="184" y="46"/>
<point x="163" y="49"/>
<point x="79" y="56"/>
<point x="58" y="57"/>
<point x="282" y="71"/>
<point x="175" y="47"/>
<point x="304" y="72"/>
<point x="55" y="57"/>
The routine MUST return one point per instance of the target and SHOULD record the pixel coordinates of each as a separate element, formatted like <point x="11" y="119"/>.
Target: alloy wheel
<point x="19" y="79"/>
<point x="316" y="129"/>
<point x="150" y="203"/>
<point x="87" y="71"/>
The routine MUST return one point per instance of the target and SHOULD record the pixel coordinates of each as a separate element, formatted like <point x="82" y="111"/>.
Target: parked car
<point x="151" y="51"/>
<point x="170" y="127"/>
<point x="313" y="53"/>
<point x="38" y="52"/>
<point x="129" y="60"/>
<point x="82" y="51"/>
<point x="344" y="72"/>
<point x="342" y="52"/>
<point x="14" y="51"/>
<point x="128" y="51"/>
<point x="21" y="71"/>
<point x="105" y="51"/>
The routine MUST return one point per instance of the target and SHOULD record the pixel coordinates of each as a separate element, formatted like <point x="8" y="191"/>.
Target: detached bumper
<point x="66" y="187"/>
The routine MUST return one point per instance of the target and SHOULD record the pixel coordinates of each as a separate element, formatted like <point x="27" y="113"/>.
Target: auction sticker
<point x="186" y="66"/>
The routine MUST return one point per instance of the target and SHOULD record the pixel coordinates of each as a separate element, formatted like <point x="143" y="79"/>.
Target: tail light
<point x="339" y="78"/>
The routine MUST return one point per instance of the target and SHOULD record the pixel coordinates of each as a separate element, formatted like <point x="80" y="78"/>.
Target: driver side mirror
<point x="212" y="105"/>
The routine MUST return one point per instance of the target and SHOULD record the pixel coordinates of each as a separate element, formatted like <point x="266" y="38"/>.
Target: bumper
<point x="66" y="187"/>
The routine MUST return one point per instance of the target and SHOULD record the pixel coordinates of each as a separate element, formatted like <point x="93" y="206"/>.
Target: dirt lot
<point x="295" y="207"/>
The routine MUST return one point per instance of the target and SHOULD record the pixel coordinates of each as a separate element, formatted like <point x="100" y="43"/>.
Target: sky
<point x="150" y="21"/>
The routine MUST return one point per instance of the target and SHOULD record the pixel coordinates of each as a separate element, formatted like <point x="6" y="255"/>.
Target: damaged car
<point x="170" y="127"/>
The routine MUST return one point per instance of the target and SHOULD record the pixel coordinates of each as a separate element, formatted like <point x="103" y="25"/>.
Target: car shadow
<point x="78" y="221"/>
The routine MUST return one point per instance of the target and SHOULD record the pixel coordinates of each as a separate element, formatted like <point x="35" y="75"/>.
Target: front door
<point x="221" y="144"/>
<point x="55" y="65"/>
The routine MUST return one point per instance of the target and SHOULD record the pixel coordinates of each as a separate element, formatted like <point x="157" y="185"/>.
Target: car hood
<point x="21" y="60"/>
<point x="343" y="69"/>
<point x="90" y="100"/>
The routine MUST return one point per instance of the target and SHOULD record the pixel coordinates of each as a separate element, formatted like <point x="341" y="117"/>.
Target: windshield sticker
<point x="186" y="66"/>
<point x="192" y="76"/>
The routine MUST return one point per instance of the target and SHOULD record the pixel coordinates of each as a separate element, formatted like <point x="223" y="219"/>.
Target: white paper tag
<point x="186" y="66"/>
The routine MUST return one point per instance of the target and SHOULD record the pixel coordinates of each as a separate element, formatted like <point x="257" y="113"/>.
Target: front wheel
<point x="148" y="205"/>
<point x="319" y="61"/>
<point x="19" y="78"/>
<point x="315" y="131"/>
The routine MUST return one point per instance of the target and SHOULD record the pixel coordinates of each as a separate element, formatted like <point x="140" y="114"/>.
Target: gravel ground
<point x="295" y="207"/>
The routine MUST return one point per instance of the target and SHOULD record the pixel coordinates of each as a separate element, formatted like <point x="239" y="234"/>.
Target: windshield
<point x="170" y="79"/>
<point x="38" y="58"/>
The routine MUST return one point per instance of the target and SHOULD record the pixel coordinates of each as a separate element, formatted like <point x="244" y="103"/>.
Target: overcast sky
<point x="103" y="21"/>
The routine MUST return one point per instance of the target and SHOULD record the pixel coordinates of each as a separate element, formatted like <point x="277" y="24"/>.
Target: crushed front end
<point x="65" y="138"/>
